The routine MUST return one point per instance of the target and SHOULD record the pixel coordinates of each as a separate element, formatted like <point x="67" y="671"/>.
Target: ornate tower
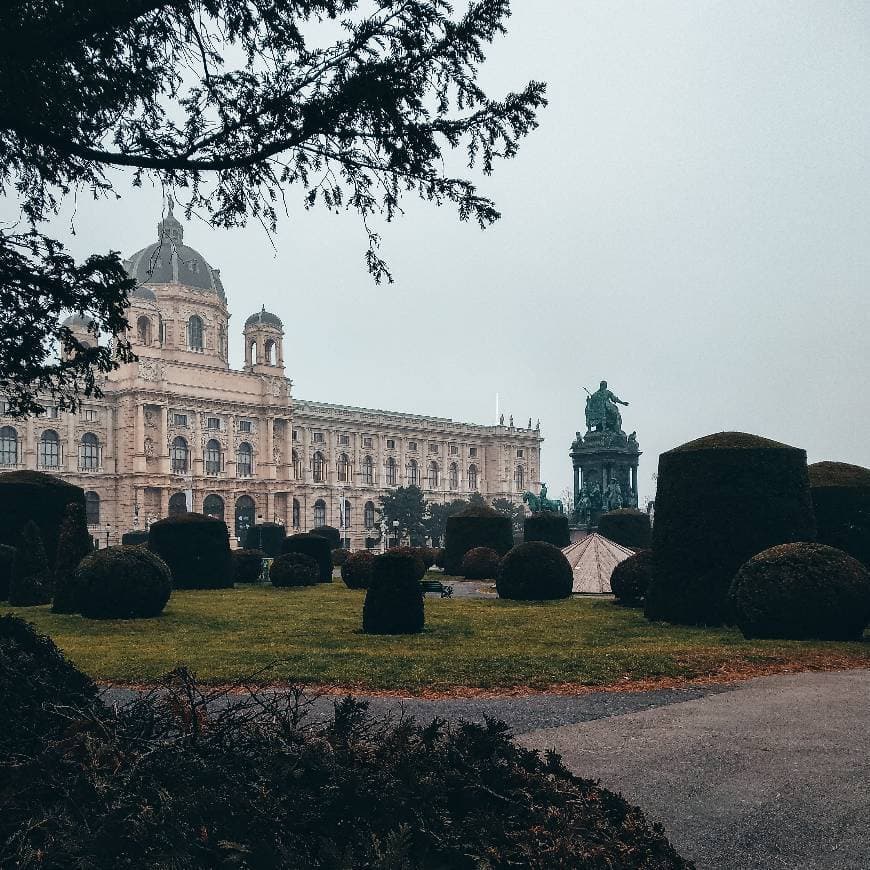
<point x="264" y="343"/>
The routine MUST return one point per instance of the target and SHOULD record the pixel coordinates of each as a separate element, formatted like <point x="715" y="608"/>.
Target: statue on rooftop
<point x="602" y="415"/>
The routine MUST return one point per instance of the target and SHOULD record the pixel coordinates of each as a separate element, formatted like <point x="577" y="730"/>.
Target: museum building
<point x="179" y="430"/>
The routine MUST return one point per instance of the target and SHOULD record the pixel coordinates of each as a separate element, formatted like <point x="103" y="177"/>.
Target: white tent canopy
<point x="592" y="560"/>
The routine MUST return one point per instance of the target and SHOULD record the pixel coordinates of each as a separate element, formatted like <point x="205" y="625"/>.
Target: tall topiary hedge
<point x="315" y="546"/>
<point x="357" y="569"/>
<point x="197" y="550"/>
<point x="475" y="527"/>
<point x="626" y="526"/>
<point x="268" y="537"/>
<point x="332" y="534"/>
<point x="7" y="569"/>
<point x="34" y="496"/>
<point x="134" y="538"/>
<point x="535" y="571"/>
<point x="801" y="591"/>
<point x="394" y="600"/>
<point x="32" y="580"/>
<point x="720" y="500"/>
<point x="841" y="500"/>
<point x="74" y="544"/>
<point x="547" y="526"/>
<point x="294" y="569"/>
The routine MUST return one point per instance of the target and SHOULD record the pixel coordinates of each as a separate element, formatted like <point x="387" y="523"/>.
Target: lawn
<point x="312" y="635"/>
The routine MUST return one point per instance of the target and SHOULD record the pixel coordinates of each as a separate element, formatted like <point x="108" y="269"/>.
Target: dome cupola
<point x="264" y="342"/>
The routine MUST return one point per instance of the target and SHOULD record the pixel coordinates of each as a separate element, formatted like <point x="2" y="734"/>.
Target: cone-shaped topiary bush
<point x="475" y="527"/>
<point x="801" y="591"/>
<point x="480" y="563"/>
<point x="32" y="580"/>
<point x="631" y="578"/>
<point x="720" y="500"/>
<point x="268" y="537"/>
<point x="841" y="501"/>
<point x="626" y="526"/>
<point x="197" y="550"/>
<point x="357" y="570"/>
<point x="547" y="526"/>
<point x="294" y="569"/>
<point x="394" y="600"/>
<point x="247" y="565"/>
<point x="535" y="571"/>
<point x="332" y="534"/>
<point x="7" y="569"/>
<point x="135" y="538"/>
<point x="75" y="542"/>
<point x="315" y="546"/>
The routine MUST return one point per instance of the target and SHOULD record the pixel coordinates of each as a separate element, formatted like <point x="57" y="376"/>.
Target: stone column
<point x="139" y="448"/>
<point x="196" y="459"/>
<point x="109" y="460"/>
<point x="71" y="458"/>
<point x="27" y="451"/>
<point x="271" y="468"/>
<point x="576" y="483"/>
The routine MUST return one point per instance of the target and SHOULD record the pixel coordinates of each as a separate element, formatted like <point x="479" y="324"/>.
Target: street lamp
<point x="396" y="532"/>
<point x="108" y="526"/>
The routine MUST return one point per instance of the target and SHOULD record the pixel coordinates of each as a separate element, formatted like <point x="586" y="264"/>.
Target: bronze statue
<point x="542" y="503"/>
<point x="614" y="495"/>
<point x="602" y="415"/>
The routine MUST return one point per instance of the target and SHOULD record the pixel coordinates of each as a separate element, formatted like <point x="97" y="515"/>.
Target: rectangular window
<point x="318" y="438"/>
<point x="472" y="452"/>
<point x="344" y="440"/>
<point x="367" y="442"/>
<point x="412" y="445"/>
<point x="391" y="444"/>
<point x="245" y="426"/>
<point x="520" y="452"/>
<point x="454" y="449"/>
<point x="295" y="434"/>
<point x="89" y="414"/>
<point x="179" y="419"/>
<point x="433" y="447"/>
<point x="4" y="406"/>
<point x="213" y="423"/>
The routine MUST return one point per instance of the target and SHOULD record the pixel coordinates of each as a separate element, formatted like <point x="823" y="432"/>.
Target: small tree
<point x="73" y="544"/>
<point x="515" y="511"/>
<point x="407" y="506"/>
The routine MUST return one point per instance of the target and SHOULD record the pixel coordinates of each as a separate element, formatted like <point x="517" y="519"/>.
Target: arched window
<point x="320" y="512"/>
<point x="318" y="468"/>
<point x="8" y="446"/>
<point x="89" y="452"/>
<point x="178" y="455"/>
<point x="519" y="479"/>
<point x="246" y="511"/>
<point x="253" y="348"/>
<point x="453" y="479"/>
<point x="390" y="471"/>
<point x="222" y="341"/>
<point x="143" y="329"/>
<point x="472" y="476"/>
<point x="213" y="506"/>
<point x="49" y="449"/>
<point x="413" y="473"/>
<point x="194" y="332"/>
<point x="244" y="460"/>
<point x="297" y="514"/>
<point x="297" y="467"/>
<point x="347" y="514"/>
<point x="343" y="468"/>
<point x="368" y="471"/>
<point x="92" y="508"/>
<point x="213" y="458"/>
<point x="369" y="515"/>
<point x="177" y="504"/>
<point x="434" y="475"/>
<point x="269" y="353"/>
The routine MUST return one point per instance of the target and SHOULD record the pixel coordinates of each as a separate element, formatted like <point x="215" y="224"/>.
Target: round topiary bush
<point x="841" y="501"/>
<point x="414" y="553"/>
<point x="268" y="537"/>
<point x="315" y="546"/>
<point x="394" y="600"/>
<point x="126" y="582"/>
<point x="481" y="563"/>
<point x="720" y="500"/>
<point x="135" y="538"/>
<point x="332" y="534"/>
<point x="626" y="526"/>
<point x="475" y="527"/>
<point x="32" y="581"/>
<point x="631" y="578"/>
<point x="247" y="565"/>
<point x="339" y="557"/>
<point x="7" y="569"/>
<point x="73" y="545"/>
<point x="294" y="569"/>
<point x="425" y="554"/>
<point x="197" y="550"/>
<point x="535" y="571"/>
<point x="800" y="591"/>
<point x="357" y="570"/>
<point x="547" y="526"/>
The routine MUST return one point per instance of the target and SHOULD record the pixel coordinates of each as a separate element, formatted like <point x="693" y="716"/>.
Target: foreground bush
<point x="268" y="537"/>
<point x="32" y="581"/>
<point x="339" y="557"/>
<point x="626" y="526"/>
<point x="135" y="538"/>
<point x="315" y="546"/>
<point x="536" y="571"/>
<point x="547" y="526"/>
<point x="413" y="553"/>
<point x="357" y="569"/>
<point x="247" y="565"/>
<point x="74" y="544"/>
<point x="802" y="591"/>
<point x="394" y="601"/>
<point x="631" y="578"/>
<point x="841" y="501"/>
<point x="7" y="569"/>
<point x="126" y="582"/>
<point x="425" y="554"/>
<point x="475" y="527"/>
<point x="197" y="550"/>
<point x="173" y="780"/>
<point x="481" y="563"/>
<point x="332" y="534"/>
<point x="294" y="569"/>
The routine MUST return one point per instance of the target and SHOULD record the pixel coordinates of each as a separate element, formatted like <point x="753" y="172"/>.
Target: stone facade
<point x="180" y="430"/>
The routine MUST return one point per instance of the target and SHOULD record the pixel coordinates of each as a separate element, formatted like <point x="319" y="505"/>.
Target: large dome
<point x="168" y="261"/>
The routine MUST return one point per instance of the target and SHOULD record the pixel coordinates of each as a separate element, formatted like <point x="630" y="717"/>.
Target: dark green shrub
<point x="41" y="498"/>
<point x="841" y="501"/>
<point x="268" y="537"/>
<point x="247" y="565"/>
<point x="720" y="500"/>
<point x="414" y="553"/>
<point x="357" y="569"/>
<point x="475" y="527"/>
<point x="535" y="571"/>
<point x="197" y="550"/>
<point x="801" y="591"/>
<point x="315" y="546"/>
<point x="331" y="534"/>
<point x="32" y="581"/>
<point x="480" y="563"/>
<point x="547" y="526"/>
<point x="631" y="578"/>
<point x="7" y="569"/>
<point x="135" y="538"/>
<point x="425" y="554"/>
<point x="394" y="600"/>
<point x="75" y="542"/>
<point x="626" y="526"/>
<point x="339" y="557"/>
<point x="126" y="582"/>
<point x="294" y="569"/>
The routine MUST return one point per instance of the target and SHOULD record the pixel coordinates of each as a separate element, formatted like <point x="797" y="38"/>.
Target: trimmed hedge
<point x="631" y="578"/>
<point x="135" y="538"/>
<point x="628" y="527"/>
<point x="315" y="546"/>
<point x="547" y="526"/>
<point x="720" y="500"/>
<point x="32" y="582"/>
<point x="425" y="554"/>
<point x="7" y="569"/>
<point x="357" y="569"/>
<point x="74" y="544"/>
<point x="294" y="569"/>
<point x="394" y="600"/>
<point x="475" y="527"/>
<point x="268" y="537"/>
<point x="481" y="563"/>
<point x="247" y="565"/>
<point x="332" y="534"/>
<point x="801" y="591"/>
<point x="534" y="571"/>
<point x="42" y="498"/>
<point x="126" y="582"/>
<point x="414" y="553"/>
<point x="339" y="557"/>
<point x="197" y="550"/>
<point x="841" y="501"/>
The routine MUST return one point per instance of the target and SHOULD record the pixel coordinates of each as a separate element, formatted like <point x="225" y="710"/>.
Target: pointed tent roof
<point x="592" y="560"/>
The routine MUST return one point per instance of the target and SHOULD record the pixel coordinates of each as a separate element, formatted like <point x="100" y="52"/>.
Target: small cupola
<point x="264" y="343"/>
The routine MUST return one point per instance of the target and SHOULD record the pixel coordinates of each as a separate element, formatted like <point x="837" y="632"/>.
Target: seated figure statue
<point x="602" y="413"/>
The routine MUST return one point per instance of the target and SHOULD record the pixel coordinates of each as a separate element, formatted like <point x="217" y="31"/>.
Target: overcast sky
<point x="690" y="221"/>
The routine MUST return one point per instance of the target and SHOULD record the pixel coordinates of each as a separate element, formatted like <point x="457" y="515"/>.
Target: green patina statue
<point x="542" y="503"/>
<point x="602" y="415"/>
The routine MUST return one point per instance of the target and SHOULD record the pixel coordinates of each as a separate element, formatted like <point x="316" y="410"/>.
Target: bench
<point x="437" y="586"/>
